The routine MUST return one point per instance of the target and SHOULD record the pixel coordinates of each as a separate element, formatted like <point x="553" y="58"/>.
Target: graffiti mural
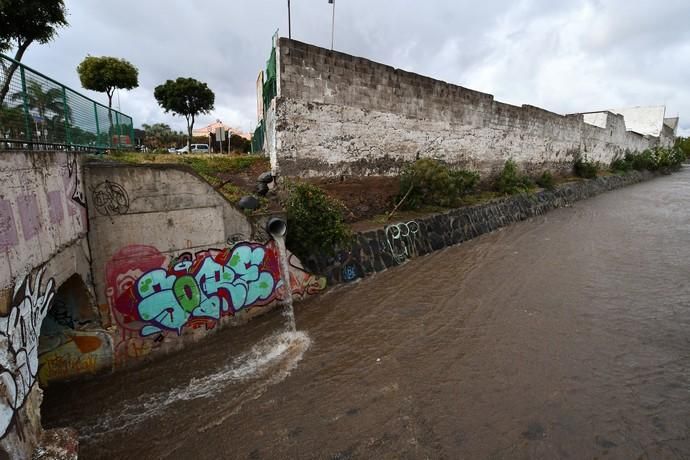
<point x="72" y="353"/>
<point x="110" y="198"/>
<point x="153" y="296"/>
<point x="400" y="237"/>
<point x="19" y="333"/>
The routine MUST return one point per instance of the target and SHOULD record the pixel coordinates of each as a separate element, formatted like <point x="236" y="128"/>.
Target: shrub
<point x="656" y="159"/>
<point x="510" y="181"/>
<point x="585" y="168"/>
<point x="316" y="221"/>
<point x="429" y="182"/>
<point x="683" y="143"/>
<point x="546" y="181"/>
<point x="621" y="165"/>
<point x="644" y="160"/>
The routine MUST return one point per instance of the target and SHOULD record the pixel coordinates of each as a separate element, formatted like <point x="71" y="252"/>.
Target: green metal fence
<point x="37" y="112"/>
<point x="269" y="93"/>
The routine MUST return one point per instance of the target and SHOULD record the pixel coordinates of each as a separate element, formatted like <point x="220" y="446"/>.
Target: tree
<point x="23" y="22"/>
<point x="187" y="97"/>
<point x="105" y="74"/>
<point x="159" y="135"/>
<point x="48" y="104"/>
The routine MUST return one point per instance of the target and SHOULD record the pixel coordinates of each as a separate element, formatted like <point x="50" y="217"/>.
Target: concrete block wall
<point x="340" y="114"/>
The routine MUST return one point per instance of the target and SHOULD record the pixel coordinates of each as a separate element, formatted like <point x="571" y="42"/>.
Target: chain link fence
<point x="38" y="113"/>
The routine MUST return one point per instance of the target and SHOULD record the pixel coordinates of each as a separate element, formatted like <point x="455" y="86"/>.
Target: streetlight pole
<point x="289" y="22"/>
<point x="333" y="25"/>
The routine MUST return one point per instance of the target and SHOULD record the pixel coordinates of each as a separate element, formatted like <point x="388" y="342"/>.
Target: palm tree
<point x="45" y="104"/>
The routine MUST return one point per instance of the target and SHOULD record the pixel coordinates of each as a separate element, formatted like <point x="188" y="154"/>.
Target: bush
<point x="683" y="143"/>
<point x="429" y="182"/>
<point x="585" y="168"/>
<point x="510" y="181"/>
<point x="621" y="165"/>
<point x="656" y="159"/>
<point x="644" y="160"/>
<point x="546" y="181"/>
<point x="316" y="223"/>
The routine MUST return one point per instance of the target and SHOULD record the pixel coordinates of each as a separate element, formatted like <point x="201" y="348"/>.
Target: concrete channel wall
<point x="174" y="260"/>
<point x="338" y="114"/>
<point x="104" y="266"/>
<point x="43" y="243"/>
<point x="395" y="244"/>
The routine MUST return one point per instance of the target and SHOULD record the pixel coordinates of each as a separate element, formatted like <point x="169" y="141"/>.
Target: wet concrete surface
<point x="565" y="336"/>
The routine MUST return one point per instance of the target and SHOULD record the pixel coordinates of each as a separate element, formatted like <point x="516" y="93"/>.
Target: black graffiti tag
<point x="110" y="198"/>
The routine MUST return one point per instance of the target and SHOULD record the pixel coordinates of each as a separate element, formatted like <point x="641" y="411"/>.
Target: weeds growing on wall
<point x="510" y="181"/>
<point x="546" y="181"/>
<point x="429" y="182"/>
<point x="316" y="223"/>
<point x="585" y="168"/>
<point x="656" y="159"/>
<point x="215" y="169"/>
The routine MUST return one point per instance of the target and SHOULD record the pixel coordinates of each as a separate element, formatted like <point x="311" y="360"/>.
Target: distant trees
<point x="105" y="74"/>
<point x="23" y="22"/>
<point x="239" y="144"/>
<point x="48" y="105"/>
<point x="187" y="97"/>
<point x="160" y="135"/>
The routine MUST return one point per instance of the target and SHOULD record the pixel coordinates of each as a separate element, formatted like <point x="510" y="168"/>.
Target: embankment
<point x="377" y="250"/>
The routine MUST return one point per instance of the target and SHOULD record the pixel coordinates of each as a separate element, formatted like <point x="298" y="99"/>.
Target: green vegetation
<point x="510" y="181"/>
<point x="187" y="97"/>
<point x="105" y="74"/>
<point x="430" y="182"/>
<point x="213" y="168"/>
<point x="315" y="221"/>
<point x="23" y="22"/>
<point x="161" y="136"/>
<point x="546" y="181"/>
<point x="683" y="143"/>
<point x="656" y="159"/>
<point x="585" y="168"/>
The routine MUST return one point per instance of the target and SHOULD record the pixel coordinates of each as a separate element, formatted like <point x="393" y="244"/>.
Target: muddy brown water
<point x="566" y="336"/>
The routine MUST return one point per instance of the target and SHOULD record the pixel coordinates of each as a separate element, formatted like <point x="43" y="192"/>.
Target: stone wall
<point x="340" y="114"/>
<point x="378" y="250"/>
<point x="42" y="244"/>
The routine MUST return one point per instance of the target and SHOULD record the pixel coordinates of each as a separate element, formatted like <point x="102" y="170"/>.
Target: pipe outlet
<point x="276" y="227"/>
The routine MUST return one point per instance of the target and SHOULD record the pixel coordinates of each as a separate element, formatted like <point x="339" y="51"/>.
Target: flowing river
<point x="566" y="336"/>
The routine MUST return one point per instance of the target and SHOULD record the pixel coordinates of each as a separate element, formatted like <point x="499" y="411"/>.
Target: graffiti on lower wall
<point x="19" y="333"/>
<point x="400" y="238"/>
<point x="153" y="296"/>
<point x="73" y="353"/>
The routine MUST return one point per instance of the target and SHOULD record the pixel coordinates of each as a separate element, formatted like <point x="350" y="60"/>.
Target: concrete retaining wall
<point x="394" y="244"/>
<point x="340" y="114"/>
<point x="174" y="260"/>
<point x="42" y="244"/>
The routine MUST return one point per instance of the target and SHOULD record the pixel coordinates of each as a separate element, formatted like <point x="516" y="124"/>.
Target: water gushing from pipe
<point x="278" y="229"/>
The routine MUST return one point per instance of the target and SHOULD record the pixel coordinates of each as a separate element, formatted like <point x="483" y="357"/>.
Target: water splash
<point x="288" y="310"/>
<point x="275" y="356"/>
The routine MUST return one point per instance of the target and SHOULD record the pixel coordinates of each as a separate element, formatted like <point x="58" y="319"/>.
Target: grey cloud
<point x="563" y="56"/>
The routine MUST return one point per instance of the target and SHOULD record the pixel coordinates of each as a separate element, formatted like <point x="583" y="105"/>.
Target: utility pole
<point x="332" y="2"/>
<point x="289" y="22"/>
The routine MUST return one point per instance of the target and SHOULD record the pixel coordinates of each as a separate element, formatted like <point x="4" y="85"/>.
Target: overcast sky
<point x="564" y="56"/>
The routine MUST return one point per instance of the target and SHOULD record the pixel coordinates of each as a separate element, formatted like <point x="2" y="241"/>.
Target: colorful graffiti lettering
<point x="153" y="296"/>
<point x="19" y="332"/>
<point x="204" y="287"/>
